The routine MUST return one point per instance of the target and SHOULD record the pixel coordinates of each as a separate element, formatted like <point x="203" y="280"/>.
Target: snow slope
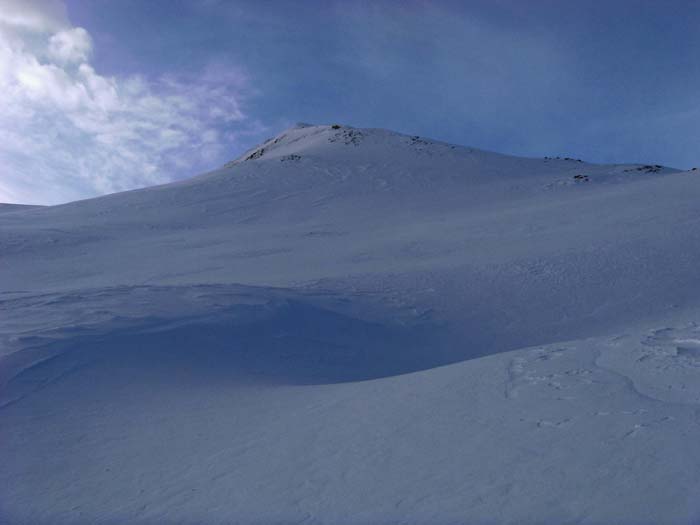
<point x="7" y="208"/>
<point x="356" y="326"/>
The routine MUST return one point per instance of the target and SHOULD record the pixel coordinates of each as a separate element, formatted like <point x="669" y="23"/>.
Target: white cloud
<point x="35" y="15"/>
<point x="70" y="45"/>
<point x="68" y="132"/>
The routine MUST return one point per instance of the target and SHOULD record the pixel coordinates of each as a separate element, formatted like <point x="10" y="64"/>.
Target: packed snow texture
<point x="356" y="326"/>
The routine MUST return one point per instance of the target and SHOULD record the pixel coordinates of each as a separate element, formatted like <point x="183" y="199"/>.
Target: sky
<point x="98" y="96"/>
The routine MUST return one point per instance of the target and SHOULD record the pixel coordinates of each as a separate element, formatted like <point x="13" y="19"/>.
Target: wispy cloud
<point x="68" y="132"/>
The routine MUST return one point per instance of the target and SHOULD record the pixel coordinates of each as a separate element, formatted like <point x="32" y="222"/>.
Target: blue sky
<point x="111" y="95"/>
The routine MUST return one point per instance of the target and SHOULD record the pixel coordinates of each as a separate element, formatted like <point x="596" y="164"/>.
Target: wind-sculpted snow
<point x="270" y="335"/>
<point x="152" y="432"/>
<point x="355" y="326"/>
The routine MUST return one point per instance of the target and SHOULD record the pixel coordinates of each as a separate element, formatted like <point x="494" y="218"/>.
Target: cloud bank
<point x="67" y="132"/>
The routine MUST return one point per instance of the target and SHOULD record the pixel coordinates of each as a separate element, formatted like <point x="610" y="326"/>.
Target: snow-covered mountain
<point x="356" y="326"/>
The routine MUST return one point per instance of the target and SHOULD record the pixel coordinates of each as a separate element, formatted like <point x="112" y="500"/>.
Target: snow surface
<point x="7" y="208"/>
<point x="357" y="326"/>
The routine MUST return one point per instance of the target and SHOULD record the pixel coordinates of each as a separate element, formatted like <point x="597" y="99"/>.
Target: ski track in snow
<point x="356" y="326"/>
